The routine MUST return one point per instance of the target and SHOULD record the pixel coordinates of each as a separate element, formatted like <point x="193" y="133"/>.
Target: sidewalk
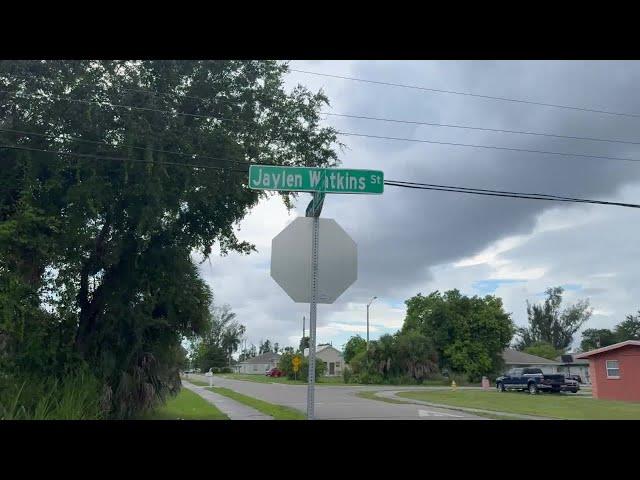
<point x="234" y="410"/>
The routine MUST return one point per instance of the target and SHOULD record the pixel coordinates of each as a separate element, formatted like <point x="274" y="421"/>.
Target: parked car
<point x="534" y="381"/>
<point x="577" y="378"/>
<point x="274" y="372"/>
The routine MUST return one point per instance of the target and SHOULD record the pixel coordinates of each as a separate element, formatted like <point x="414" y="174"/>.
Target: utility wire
<point x="486" y="129"/>
<point x="393" y="183"/>
<point x="402" y="121"/>
<point x="545" y="152"/>
<point x="353" y="134"/>
<point x="124" y="145"/>
<point x="480" y="192"/>
<point x="120" y="159"/>
<point x="453" y="92"/>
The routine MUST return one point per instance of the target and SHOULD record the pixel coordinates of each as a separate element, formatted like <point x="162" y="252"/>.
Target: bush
<point x="367" y="378"/>
<point x="225" y="370"/>
<point x="347" y="374"/>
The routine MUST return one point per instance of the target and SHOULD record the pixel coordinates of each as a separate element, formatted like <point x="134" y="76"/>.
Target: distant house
<point x="517" y="359"/>
<point x="258" y="365"/>
<point x="615" y="371"/>
<point x="332" y="358"/>
<point x="571" y="365"/>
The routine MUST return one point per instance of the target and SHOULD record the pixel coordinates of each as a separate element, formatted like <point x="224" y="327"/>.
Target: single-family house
<point x="615" y="371"/>
<point x="517" y="359"/>
<point x="332" y="358"/>
<point x="258" y="365"/>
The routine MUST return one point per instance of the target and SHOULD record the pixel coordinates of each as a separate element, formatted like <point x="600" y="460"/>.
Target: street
<point x="339" y="403"/>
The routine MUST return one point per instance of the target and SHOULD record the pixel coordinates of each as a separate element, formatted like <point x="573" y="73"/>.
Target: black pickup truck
<point x="534" y="381"/>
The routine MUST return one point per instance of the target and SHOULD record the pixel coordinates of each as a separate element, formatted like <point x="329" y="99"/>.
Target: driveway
<point x="340" y="403"/>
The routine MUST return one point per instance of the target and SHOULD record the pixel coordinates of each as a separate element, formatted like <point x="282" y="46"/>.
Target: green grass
<point x="544" y="405"/>
<point x="278" y="412"/>
<point x="372" y="396"/>
<point x="186" y="406"/>
<point x="200" y="383"/>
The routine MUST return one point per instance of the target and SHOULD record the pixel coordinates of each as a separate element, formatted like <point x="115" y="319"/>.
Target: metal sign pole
<point x="312" y="318"/>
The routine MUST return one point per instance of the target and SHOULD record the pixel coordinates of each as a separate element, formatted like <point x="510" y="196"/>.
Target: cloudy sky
<point x="412" y="241"/>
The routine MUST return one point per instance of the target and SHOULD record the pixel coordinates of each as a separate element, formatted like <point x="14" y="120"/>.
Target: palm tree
<point x="231" y="338"/>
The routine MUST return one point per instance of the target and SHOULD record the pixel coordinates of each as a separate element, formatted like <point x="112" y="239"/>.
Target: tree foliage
<point x="544" y="350"/>
<point x="628" y="329"/>
<point x="354" y="345"/>
<point x="219" y="341"/>
<point x="97" y="242"/>
<point x="469" y="334"/>
<point x="547" y="324"/>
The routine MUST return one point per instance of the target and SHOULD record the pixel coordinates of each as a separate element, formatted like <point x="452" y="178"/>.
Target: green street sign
<point x="312" y="179"/>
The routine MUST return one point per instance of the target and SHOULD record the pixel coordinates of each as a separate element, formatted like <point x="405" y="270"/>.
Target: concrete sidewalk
<point x="234" y="410"/>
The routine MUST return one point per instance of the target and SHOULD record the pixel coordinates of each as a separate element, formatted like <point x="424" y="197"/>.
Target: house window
<point x="337" y="364"/>
<point x="613" y="369"/>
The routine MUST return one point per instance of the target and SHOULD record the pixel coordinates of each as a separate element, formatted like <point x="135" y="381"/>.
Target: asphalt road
<point x="339" y="403"/>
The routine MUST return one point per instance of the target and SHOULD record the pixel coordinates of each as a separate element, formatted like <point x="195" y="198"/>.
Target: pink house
<point x="615" y="371"/>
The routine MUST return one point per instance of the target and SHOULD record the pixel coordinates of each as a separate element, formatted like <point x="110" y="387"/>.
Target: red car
<point x="274" y="372"/>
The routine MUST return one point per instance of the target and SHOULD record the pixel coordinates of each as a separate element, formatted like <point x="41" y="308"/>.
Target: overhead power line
<point x="498" y="193"/>
<point x="468" y="94"/>
<point x="354" y="134"/>
<point x="493" y="147"/>
<point x="486" y="129"/>
<point x="393" y="183"/>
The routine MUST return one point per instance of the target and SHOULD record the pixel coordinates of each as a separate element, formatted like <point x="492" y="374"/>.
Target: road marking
<point x="428" y="413"/>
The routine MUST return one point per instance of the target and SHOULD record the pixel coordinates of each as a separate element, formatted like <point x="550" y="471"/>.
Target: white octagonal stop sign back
<point x="291" y="260"/>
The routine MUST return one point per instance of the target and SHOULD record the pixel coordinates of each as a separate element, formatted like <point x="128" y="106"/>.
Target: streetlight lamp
<point x="370" y="302"/>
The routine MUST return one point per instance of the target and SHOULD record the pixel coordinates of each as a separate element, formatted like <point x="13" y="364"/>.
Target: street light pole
<point x="368" y="304"/>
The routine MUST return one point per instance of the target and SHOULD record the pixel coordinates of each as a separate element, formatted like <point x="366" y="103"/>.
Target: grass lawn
<point x="278" y="412"/>
<point x="196" y="382"/>
<point x="546" y="405"/>
<point x="186" y="406"/>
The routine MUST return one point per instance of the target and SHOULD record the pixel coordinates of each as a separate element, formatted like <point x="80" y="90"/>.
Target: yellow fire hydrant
<point x="453" y="385"/>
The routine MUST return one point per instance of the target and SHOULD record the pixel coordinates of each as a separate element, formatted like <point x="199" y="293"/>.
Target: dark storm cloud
<point x="408" y="231"/>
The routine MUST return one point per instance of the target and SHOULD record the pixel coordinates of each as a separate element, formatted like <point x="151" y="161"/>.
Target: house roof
<point x="517" y="357"/>
<point x="321" y="348"/>
<point x="264" y="358"/>
<point x="615" y="346"/>
<point x="324" y="347"/>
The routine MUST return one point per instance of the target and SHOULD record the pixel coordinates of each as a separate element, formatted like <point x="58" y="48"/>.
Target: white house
<point x="517" y="359"/>
<point x="258" y="365"/>
<point x="564" y="364"/>
<point x="332" y="358"/>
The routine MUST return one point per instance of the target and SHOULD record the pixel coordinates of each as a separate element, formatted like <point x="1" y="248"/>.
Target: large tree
<point x="468" y="333"/>
<point x="354" y="345"/>
<point x="113" y="174"/>
<point x="628" y="329"/>
<point x="548" y="324"/>
<point x="593" y="338"/>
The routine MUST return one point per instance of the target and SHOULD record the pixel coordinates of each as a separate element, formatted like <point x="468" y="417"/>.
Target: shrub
<point x="225" y="370"/>
<point x="347" y="374"/>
